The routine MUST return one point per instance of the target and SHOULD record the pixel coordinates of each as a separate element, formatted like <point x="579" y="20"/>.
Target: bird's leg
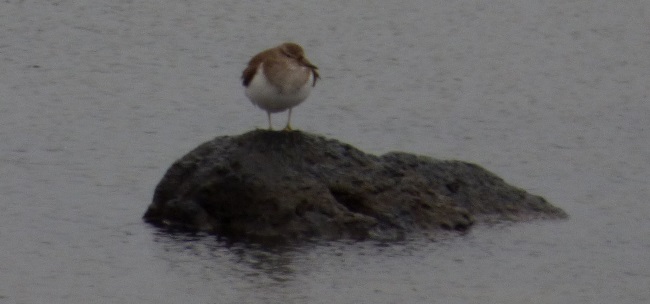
<point x="269" y="116"/>
<point x="288" y="127"/>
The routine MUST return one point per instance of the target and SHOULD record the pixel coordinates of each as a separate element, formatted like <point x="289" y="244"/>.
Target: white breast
<point x="276" y="99"/>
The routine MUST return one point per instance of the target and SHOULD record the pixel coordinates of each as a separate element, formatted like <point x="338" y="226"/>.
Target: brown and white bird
<point x="279" y="79"/>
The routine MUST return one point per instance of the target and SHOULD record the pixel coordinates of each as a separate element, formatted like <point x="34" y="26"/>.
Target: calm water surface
<point x="97" y="99"/>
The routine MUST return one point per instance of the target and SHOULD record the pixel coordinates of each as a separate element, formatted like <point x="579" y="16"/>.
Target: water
<point x="98" y="99"/>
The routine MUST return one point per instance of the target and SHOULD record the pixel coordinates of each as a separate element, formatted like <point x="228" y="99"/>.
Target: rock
<point x="281" y="186"/>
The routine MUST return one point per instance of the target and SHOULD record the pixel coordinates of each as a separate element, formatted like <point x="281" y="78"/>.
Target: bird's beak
<point x="308" y="64"/>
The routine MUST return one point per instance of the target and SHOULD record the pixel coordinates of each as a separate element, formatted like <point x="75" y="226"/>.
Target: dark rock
<point x="278" y="186"/>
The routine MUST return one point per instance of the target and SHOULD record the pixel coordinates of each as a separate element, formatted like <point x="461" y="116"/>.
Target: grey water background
<point x="98" y="98"/>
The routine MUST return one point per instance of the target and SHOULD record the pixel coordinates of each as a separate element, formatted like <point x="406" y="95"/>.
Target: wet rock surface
<point x="284" y="186"/>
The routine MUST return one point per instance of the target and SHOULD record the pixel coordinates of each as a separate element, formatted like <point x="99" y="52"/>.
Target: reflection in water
<point x="252" y="262"/>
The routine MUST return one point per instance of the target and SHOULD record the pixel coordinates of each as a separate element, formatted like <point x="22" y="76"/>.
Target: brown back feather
<point x="253" y="64"/>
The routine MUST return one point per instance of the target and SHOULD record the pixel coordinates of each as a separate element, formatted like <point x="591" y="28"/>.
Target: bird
<point x="279" y="78"/>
